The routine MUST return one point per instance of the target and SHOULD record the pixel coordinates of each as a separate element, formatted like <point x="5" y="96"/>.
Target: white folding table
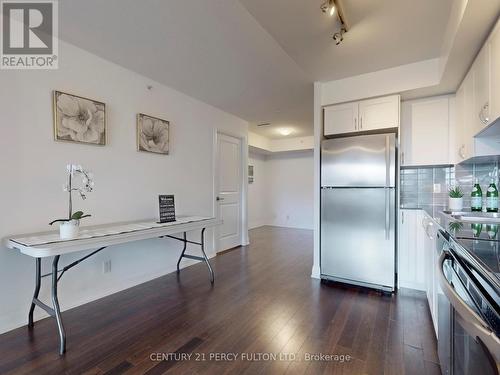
<point x="97" y="238"/>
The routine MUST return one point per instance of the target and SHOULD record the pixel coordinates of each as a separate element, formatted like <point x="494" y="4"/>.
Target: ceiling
<point x="256" y="59"/>
<point x="212" y="50"/>
<point x="383" y="33"/>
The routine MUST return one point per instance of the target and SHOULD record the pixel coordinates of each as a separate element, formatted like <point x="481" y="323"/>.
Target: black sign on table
<point x="167" y="208"/>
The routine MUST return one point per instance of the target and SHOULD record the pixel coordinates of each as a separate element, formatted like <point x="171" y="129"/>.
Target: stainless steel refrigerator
<point x="358" y="209"/>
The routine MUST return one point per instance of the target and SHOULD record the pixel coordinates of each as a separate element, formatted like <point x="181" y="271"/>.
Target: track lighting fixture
<point x="338" y="37"/>
<point x="332" y="7"/>
<point x="328" y="7"/>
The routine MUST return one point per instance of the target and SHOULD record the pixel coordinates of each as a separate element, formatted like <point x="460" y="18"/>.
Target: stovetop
<point x="480" y="240"/>
<point x="486" y="251"/>
<point x="474" y="231"/>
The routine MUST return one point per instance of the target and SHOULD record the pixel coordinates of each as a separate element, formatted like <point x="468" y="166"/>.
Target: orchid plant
<point x="86" y="187"/>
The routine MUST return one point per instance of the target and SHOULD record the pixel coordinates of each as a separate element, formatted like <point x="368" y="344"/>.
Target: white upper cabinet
<point x="458" y="152"/>
<point x="342" y="118"/>
<point x="463" y="146"/>
<point x="481" y="71"/>
<point x="425" y="131"/>
<point x="466" y="138"/>
<point x="365" y="115"/>
<point x="379" y="113"/>
<point x="495" y="73"/>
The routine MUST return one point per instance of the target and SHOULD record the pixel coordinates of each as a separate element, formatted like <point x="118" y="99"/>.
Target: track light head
<point x="328" y="7"/>
<point x="338" y="37"/>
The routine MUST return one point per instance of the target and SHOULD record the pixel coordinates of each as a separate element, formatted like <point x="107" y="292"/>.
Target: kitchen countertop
<point x="480" y="241"/>
<point x="433" y="211"/>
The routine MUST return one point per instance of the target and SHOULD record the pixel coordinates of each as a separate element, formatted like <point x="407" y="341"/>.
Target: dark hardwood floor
<point x="263" y="302"/>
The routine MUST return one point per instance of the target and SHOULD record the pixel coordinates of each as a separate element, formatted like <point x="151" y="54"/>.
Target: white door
<point x="228" y="187"/>
<point x="342" y="118"/>
<point x="379" y="113"/>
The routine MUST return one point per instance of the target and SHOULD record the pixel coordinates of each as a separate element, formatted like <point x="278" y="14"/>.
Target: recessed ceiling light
<point x="285" y="131"/>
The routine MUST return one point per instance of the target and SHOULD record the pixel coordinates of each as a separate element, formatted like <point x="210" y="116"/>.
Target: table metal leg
<point x="38" y="277"/>
<point x="212" y="277"/>
<point x="57" y="310"/>
<point x="204" y="258"/>
<point x="182" y="254"/>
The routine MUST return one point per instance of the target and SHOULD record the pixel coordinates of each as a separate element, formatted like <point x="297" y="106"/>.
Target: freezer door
<point x="357" y="235"/>
<point x="362" y="161"/>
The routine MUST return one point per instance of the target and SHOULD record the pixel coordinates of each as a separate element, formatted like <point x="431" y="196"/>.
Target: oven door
<point x="475" y="349"/>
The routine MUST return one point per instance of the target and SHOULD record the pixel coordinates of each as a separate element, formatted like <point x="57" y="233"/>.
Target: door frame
<point x="243" y="184"/>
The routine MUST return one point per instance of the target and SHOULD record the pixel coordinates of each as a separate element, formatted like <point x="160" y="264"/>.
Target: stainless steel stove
<point x="469" y="300"/>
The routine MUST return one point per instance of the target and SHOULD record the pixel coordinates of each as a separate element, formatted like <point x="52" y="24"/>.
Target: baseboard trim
<point x="11" y="324"/>
<point x="222" y="252"/>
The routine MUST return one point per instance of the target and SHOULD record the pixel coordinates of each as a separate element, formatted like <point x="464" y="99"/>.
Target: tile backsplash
<point x="429" y="185"/>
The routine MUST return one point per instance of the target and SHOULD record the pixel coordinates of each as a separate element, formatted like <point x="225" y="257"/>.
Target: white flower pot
<point x="456" y="204"/>
<point x="69" y="229"/>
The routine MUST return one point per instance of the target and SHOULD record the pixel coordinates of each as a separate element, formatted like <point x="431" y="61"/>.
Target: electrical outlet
<point x="106" y="266"/>
<point x="437" y="188"/>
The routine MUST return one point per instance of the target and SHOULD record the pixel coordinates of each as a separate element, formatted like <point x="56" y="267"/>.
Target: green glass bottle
<point x="476" y="229"/>
<point x="476" y="197"/>
<point x="492" y="230"/>
<point x="492" y="197"/>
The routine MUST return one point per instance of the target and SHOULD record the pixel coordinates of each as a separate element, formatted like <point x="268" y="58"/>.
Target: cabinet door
<point x="379" y="113"/>
<point x="405" y="137"/>
<point x="467" y="131"/>
<point x="428" y="124"/>
<point x="453" y="131"/>
<point x="481" y="71"/>
<point x="411" y="270"/>
<point x="429" y="272"/>
<point x="459" y="146"/>
<point x="431" y="260"/>
<point x="435" y="277"/>
<point x="495" y="73"/>
<point x="342" y="118"/>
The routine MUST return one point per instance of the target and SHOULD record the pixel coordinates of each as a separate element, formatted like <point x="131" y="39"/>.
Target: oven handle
<point x="473" y="323"/>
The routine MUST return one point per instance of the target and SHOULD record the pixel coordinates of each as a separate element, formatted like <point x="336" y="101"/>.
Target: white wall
<point x="318" y="136"/>
<point x="32" y="170"/>
<point x="383" y="82"/>
<point x="258" y="192"/>
<point x="260" y="143"/>
<point x="290" y="178"/>
<point x="282" y="194"/>
<point x="292" y="144"/>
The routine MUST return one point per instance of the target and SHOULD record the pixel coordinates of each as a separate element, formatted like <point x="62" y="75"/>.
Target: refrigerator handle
<point x="387" y="161"/>
<point x="387" y="213"/>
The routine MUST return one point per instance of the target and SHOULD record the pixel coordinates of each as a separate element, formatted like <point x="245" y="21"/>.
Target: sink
<point x="474" y="217"/>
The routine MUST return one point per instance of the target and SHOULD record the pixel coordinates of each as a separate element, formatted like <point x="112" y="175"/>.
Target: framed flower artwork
<point x="78" y="119"/>
<point x="152" y="134"/>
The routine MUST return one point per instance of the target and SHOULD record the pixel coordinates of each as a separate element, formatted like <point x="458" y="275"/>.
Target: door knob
<point x="219" y="199"/>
